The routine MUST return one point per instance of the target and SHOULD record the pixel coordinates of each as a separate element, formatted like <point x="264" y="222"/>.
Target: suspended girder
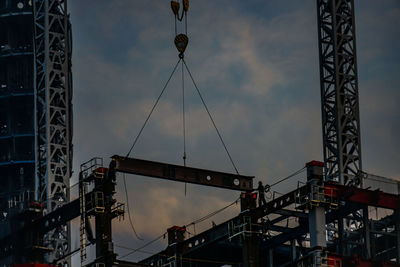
<point x="183" y="174"/>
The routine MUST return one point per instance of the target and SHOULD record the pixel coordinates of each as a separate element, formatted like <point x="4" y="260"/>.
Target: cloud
<point x="257" y="68"/>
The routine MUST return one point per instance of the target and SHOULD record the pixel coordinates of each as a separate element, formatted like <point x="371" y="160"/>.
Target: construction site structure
<point x="337" y="218"/>
<point x="35" y="122"/>
<point x="294" y="229"/>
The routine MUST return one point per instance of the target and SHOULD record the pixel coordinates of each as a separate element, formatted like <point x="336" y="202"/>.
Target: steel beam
<point x="183" y="174"/>
<point x="221" y="231"/>
<point x="278" y="203"/>
<point x="374" y="198"/>
<point x="291" y="213"/>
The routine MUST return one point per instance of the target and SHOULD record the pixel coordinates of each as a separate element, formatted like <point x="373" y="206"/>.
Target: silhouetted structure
<point x="35" y="119"/>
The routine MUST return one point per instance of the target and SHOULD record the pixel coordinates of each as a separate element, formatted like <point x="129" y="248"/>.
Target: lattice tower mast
<point x="53" y="121"/>
<point x="339" y="91"/>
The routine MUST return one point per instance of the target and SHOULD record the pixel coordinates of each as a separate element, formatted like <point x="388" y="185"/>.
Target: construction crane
<point x="339" y="91"/>
<point x="331" y="226"/>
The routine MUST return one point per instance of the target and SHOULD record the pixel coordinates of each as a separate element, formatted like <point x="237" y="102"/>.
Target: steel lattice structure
<point x="53" y="121"/>
<point x="339" y="91"/>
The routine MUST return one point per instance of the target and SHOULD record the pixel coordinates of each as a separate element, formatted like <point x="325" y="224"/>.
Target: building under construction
<point x="35" y="124"/>
<point x="325" y="222"/>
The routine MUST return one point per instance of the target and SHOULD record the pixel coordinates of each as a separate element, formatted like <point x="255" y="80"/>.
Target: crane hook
<point x="181" y="41"/>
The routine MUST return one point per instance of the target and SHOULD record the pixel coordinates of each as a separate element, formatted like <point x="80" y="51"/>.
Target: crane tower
<point x="339" y="91"/>
<point x="36" y="118"/>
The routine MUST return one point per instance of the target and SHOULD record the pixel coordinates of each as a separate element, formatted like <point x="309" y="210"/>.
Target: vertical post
<point x="250" y="251"/>
<point x="250" y="241"/>
<point x="293" y="251"/>
<point x="176" y="235"/>
<point x="373" y="247"/>
<point x="271" y="258"/>
<point x="367" y="233"/>
<point x="316" y="217"/>
<point x="397" y="220"/>
<point x="317" y="227"/>
<point x="104" y="245"/>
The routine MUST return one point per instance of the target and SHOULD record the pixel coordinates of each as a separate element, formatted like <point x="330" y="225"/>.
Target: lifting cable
<point x="183" y="122"/>
<point x="181" y="42"/>
<point x="210" y="116"/>
<point x="152" y="109"/>
<point x="183" y="119"/>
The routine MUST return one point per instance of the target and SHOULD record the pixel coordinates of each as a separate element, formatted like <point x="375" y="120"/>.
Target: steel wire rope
<point x="129" y="212"/>
<point x="152" y="109"/>
<point x="183" y="121"/>
<point x="183" y="118"/>
<point x="212" y="214"/>
<point x="145" y="245"/>
<point x="192" y="223"/>
<point x="66" y="255"/>
<point x="210" y="116"/>
<point x="288" y="177"/>
<point x="174" y="256"/>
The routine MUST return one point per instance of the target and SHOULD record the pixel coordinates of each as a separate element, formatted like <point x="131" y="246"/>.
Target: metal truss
<point x="53" y="93"/>
<point x="339" y="91"/>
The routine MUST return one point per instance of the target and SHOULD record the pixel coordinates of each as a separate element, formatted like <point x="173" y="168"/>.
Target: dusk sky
<point x="256" y="64"/>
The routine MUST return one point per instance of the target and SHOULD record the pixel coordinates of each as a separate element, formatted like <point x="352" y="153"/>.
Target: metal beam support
<point x="250" y="250"/>
<point x="271" y="257"/>
<point x="374" y="198"/>
<point x="250" y="241"/>
<point x="367" y="233"/>
<point x="397" y="222"/>
<point x="291" y="213"/>
<point x="317" y="227"/>
<point x="221" y="231"/>
<point x="293" y="250"/>
<point x="183" y="174"/>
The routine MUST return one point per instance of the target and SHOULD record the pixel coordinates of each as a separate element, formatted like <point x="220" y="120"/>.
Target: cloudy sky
<point x="256" y="63"/>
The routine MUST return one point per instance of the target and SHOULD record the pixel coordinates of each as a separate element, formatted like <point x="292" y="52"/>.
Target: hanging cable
<point x="190" y="224"/>
<point x="152" y="109"/>
<point x="208" y="216"/>
<point x="129" y="212"/>
<point x="267" y="187"/>
<point x="186" y="23"/>
<point x="187" y="259"/>
<point x="211" y="118"/>
<point x="145" y="245"/>
<point x="176" y="29"/>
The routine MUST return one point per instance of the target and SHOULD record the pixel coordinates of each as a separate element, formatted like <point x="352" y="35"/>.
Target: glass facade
<point x="17" y="135"/>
